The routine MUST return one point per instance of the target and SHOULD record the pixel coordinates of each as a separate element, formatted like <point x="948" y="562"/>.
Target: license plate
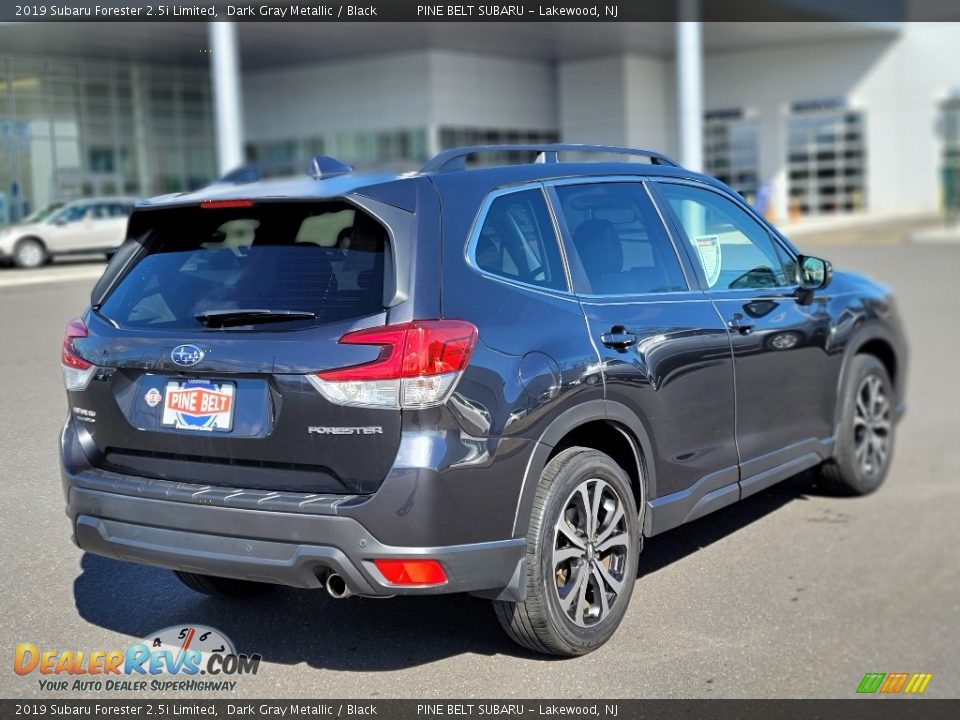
<point x="199" y="405"/>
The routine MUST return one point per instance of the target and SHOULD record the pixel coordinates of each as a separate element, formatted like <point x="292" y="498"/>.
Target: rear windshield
<point x="319" y="262"/>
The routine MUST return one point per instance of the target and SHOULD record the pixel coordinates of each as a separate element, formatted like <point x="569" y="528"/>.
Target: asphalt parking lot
<point x="791" y="593"/>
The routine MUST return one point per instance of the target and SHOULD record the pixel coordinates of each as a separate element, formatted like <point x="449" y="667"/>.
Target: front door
<point x="785" y="398"/>
<point x="663" y="348"/>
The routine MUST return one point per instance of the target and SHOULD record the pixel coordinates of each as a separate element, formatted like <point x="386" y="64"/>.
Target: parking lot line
<point x="14" y="278"/>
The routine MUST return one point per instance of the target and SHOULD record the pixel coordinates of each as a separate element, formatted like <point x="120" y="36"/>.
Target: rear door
<point x="786" y="378"/>
<point x="100" y="228"/>
<point x="211" y="342"/>
<point x="111" y="221"/>
<point x="664" y="351"/>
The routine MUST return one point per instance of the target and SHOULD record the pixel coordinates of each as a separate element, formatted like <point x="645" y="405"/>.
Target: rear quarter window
<point x="517" y="241"/>
<point x="326" y="259"/>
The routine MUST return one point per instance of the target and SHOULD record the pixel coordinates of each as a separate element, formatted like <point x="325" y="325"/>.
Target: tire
<point x="542" y="622"/>
<point x="30" y="253"/>
<point x="865" y="440"/>
<point x="222" y="587"/>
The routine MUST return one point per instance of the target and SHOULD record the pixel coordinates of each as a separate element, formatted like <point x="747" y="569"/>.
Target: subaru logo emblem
<point x="186" y="355"/>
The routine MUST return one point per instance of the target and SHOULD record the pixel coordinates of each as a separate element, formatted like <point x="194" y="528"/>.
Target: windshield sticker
<point x="708" y="249"/>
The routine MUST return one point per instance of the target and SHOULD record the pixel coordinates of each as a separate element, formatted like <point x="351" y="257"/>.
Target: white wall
<point x="651" y="104"/>
<point x="376" y="93"/>
<point x="619" y="100"/>
<point x="469" y="90"/>
<point x="408" y="90"/>
<point x="897" y="81"/>
<point x="592" y="101"/>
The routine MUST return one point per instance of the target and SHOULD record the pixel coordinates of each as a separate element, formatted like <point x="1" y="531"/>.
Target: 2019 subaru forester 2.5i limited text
<point x="494" y="380"/>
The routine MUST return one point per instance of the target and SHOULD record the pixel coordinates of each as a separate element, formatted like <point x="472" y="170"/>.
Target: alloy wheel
<point x="871" y="426"/>
<point x="590" y="550"/>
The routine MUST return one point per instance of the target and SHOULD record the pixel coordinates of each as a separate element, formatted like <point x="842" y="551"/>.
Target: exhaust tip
<point x="337" y="587"/>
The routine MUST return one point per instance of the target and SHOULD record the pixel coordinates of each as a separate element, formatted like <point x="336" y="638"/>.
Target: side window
<point x="620" y="240"/>
<point x="735" y="251"/>
<point x="120" y="210"/>
<point x="72" y="213"/>
<point x="517" y="241"/>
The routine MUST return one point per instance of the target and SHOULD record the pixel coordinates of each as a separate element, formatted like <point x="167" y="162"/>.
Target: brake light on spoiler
<point x="221" y="204"/>
<point x="419" y="365"/>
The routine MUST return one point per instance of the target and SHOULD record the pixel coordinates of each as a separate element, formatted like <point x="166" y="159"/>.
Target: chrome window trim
<point x="469" y="251"/>
<point x="693" y="296"/>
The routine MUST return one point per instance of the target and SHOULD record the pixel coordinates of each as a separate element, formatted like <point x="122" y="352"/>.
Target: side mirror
<point x="60" y="221"/>
<point x="813" y="273"/>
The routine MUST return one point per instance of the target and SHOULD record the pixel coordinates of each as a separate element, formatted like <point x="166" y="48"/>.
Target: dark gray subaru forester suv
<point x="490" y="380"/>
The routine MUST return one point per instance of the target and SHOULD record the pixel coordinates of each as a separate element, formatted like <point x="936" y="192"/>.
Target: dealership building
<point x="804" y="119"/>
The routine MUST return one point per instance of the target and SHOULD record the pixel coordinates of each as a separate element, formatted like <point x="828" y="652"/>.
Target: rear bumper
<point x="170" y="525"/>
<point x="255" y="545"/>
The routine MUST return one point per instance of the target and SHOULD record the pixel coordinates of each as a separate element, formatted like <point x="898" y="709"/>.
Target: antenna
<point x="324" y="166"/>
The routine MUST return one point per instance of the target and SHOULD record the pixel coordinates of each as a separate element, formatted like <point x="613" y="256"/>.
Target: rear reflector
<point x="77" y="372"/>
<point x="219" y="204"/>
<point x="411" y="572"/>
<point x="418" y="366"/>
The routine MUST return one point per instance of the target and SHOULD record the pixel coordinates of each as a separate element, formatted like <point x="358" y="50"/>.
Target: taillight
<point x="411" y="572"/>
<point x="77" y="372"/>
<point x="420" y="363"/>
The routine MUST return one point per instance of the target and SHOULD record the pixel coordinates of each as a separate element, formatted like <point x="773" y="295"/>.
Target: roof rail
<point x="324" y="166"/>
<point x="456" y="158"/>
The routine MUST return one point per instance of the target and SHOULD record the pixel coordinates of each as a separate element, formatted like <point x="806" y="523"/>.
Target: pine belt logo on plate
<point x="193" y="658"/>
<point x="197" y="405"/>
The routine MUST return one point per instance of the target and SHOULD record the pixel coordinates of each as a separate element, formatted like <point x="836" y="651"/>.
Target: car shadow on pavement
<point x="664" y="550"/>
<point x="293" y="626"/>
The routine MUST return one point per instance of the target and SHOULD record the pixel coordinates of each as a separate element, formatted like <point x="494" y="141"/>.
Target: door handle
<point x="737" y="323"/>
<point x="619" y="338"/>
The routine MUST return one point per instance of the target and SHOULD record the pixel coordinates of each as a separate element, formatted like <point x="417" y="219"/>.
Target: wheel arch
<point x="883" y="350"/>
<point x="35" y="238"/>
<point x="879" y="342"/>
<point x="28" y="238"/>
<point x="611" y="428"/>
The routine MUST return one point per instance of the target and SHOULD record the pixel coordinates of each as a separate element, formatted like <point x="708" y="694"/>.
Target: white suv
<point x="84" y="226"/>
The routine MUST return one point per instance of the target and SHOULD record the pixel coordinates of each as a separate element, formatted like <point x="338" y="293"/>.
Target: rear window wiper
<point x="250" y="316"/>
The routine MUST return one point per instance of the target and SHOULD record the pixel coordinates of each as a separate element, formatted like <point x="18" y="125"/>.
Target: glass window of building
<point x="731" y="150"/>
<point x="827" y="155"/>
<point x="950" y="161"/>
<point x="71" y="128"/>
<point x="402" y="148"/>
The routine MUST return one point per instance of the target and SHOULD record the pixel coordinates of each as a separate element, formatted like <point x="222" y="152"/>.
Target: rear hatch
<point x="205" y="346"/>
